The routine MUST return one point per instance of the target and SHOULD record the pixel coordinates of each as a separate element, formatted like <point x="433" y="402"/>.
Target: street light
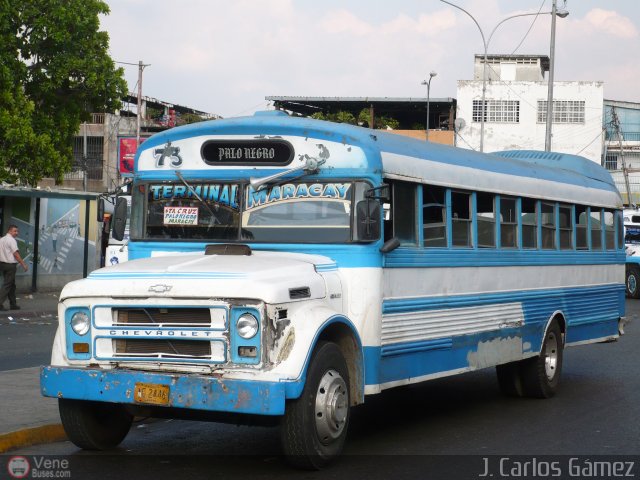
<point x="428" y="84"/>
<point x="554" y="12"/>
<point x="552" y="50"/>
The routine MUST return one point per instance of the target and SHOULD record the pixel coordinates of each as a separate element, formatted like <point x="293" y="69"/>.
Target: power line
<point x="530" y="27"/>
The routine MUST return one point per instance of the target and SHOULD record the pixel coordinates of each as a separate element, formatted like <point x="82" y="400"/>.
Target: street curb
<point x="31" y="436"/>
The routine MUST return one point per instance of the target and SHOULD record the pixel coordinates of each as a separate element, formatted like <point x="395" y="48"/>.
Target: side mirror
<point x="368" y="214"/>
<point x="390" y="245"/>
<point x="379" y="193"/>
<point x="100" y="209"/>
<point x="119" y="218"/>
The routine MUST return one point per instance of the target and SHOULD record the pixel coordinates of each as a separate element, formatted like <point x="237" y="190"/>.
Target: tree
<point x="362" y="119"/>
<point x="55" y="71"/>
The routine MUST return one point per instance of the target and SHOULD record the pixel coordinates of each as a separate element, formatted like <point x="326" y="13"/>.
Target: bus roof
<point x="549" y="175"/>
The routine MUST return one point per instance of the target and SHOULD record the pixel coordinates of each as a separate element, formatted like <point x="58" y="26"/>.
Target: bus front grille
<point x="162" y="348"/>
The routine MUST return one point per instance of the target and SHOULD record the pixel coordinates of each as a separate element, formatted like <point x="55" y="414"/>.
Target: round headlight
<point x="247" y="326"/>
<point x="80" y="323"/>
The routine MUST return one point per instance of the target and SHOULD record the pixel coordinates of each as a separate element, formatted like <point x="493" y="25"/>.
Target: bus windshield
<point x="319" y="212"/>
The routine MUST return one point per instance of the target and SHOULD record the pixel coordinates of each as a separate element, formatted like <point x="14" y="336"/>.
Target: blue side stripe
<point x="408" y="305"/>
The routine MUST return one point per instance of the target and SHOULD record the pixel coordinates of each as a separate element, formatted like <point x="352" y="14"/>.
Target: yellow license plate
<point x="152" y="393"/>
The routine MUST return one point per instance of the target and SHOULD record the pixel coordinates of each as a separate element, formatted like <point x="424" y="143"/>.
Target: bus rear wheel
<point x="94" y="425"/>
<point x="633" y="282"/>
<point x="538" y="376"/>
<point x="314" y="427"/>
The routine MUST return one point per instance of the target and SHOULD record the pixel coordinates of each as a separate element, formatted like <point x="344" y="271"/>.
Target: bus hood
<point x="273" y="277"/>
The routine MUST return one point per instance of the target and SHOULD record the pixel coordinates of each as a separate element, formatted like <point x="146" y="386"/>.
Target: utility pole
<point x="85" y="168"/>
<point x="140" y="68"/>
<point x="625" y="170"/>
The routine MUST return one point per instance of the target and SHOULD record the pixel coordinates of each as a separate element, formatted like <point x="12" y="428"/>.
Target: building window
<point x="611" y="162"/>
<point x="497" y="111"/>
<point x="564" y="111"/>
<point x="94" y="161"/>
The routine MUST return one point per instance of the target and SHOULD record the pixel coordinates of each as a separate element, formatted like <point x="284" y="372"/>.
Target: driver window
<point x="403" y="213"/>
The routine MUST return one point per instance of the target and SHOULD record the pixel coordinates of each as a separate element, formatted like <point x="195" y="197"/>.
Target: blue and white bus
<point x="286" y="268"/>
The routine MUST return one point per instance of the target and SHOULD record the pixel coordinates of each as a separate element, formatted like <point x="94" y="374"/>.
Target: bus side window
<point x="582" y="224"/>
<point x="434" y="216"/>
<point x="461" y="219"/>
<point x="565" y="215"/>
<point x="403" y="213"/>
<point x="548" y="226"/>
<point x="596" y="229"/>
<point x="486" y="214"/>
<point x="620" y="226"/>
<point x="609" y="230"/>
<point x="529" y="223"/>
<point x="508" y="223"/>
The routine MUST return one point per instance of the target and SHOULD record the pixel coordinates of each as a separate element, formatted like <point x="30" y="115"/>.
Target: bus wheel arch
<point x="343" y="335"/>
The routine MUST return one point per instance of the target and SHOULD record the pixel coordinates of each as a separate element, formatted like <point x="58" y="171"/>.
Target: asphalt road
<point x="25" y="342"/>
<point x="440" y="429"/>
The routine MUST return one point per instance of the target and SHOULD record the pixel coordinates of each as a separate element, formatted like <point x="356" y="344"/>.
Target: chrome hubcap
<point x="551" y="355"/>
<point x="331" y="406"/>
<point x="631" y="283"/>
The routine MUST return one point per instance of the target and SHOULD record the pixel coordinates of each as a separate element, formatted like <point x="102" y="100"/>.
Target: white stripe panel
<point x="438" y="281"/>
<point x="418" y="326"/>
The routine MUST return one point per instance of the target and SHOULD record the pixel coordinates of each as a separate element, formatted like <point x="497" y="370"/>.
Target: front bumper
<point x="197" y="392"/>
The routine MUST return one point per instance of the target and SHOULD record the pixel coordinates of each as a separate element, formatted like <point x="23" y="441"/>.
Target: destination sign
<point x="247" y="152"/>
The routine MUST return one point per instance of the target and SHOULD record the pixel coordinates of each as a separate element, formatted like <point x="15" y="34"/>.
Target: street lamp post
<point x="428" y="84"/>
<point x="486" y="42"/>
<point x="552" y="51"/>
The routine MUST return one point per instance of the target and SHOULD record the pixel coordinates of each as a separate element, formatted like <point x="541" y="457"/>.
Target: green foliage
<point x="185" y="118"/>
<point x="55" y="71"/>
<point x="363" y="119"/>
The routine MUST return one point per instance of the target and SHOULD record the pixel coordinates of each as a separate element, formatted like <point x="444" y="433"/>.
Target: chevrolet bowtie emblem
<point x="160" y="288"/>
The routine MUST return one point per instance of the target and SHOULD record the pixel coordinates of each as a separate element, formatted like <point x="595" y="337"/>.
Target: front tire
<point x="314" y="427"/>
<point x="633" y="282"/>
<point x="94" y="425"/>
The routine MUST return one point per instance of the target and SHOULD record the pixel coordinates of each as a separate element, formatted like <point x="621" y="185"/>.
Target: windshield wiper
<point x="311" y="165"/>
<point x="195" y="194"/>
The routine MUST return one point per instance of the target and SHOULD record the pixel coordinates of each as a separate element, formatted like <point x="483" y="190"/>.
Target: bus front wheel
<point x="633" y="282"/>
<point x="314" y="427"/>
<point x="94" y="425"/>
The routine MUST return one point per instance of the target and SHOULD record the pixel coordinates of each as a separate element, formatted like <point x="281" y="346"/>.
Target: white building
<point x="516" y="108"/>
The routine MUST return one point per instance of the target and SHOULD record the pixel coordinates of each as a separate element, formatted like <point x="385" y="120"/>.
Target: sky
<point x="225" y="56"/>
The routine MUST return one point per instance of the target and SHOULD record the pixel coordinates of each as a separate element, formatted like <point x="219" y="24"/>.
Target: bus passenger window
<point x="461" y="219"/>
<point x="434" y="216"/>
<point x="581" y="227"/>
<point x="548" y="226"/>
<point x="566" y="227"/>
<point x="486" y="220"/>
<point x="596" y="229"/>
<point x="529" y="223"/>
<point x="508" y="223"/>
<point x="620" y="223"/>
<point x="404" y="213"/>
<point x="609" y="230"/>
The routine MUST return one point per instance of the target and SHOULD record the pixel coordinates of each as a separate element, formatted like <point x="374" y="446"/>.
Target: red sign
<point x="127" y="152"/>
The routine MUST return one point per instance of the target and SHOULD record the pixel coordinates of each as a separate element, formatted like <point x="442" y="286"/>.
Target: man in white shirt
<point x="9" y="259"/>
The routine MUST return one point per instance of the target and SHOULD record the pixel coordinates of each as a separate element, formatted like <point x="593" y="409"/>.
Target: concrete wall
<point x="445" y="137"/>
<point x="584" y="139"/>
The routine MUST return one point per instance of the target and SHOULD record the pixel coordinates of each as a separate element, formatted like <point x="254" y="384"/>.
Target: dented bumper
<point x="197" y="392"/>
